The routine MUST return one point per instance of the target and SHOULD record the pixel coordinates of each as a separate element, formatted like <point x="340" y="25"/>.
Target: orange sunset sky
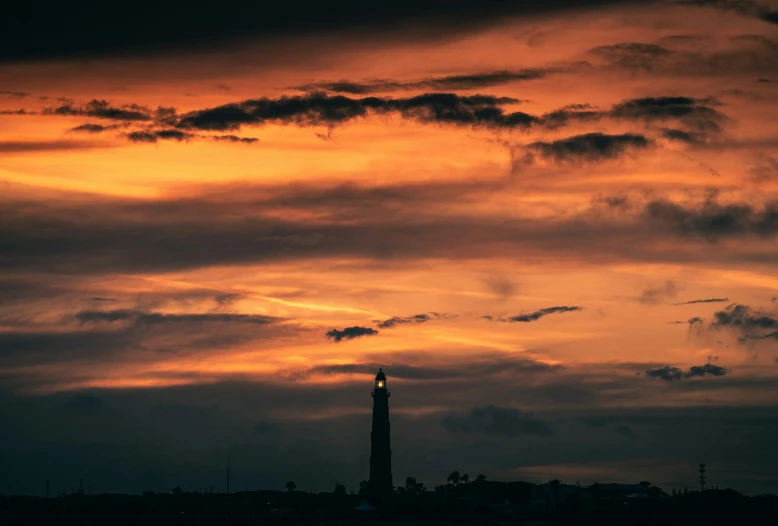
<point x="553" y="224"/>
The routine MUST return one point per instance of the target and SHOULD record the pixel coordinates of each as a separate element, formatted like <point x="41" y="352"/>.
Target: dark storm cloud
<point x="534" y="316"/>
<point x="394" y="321"/>
<point x="157" y="318"/>
<point x="668" y="373"/>
<point x="102" y="109"/>
<point x="495" y="420"/>
<point x="587" y="148"/>
<point x="450" y="82"/>
<point x="708" y="300"/>
<point x="349" y="333"/>
<point x="58" y="31"/>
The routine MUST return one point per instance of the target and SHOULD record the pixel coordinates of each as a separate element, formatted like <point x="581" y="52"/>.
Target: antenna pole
<point x="702" y="477"/>
<point x="228" y="473"/>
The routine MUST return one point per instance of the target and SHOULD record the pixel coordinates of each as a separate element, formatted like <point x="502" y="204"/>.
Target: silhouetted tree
<point x="410" y="484"/>
<point x="454" y="478"/>
<point x="340" y="489"/>
<point x="363" y="487"/>
<point x="176" y="490"/>
<point x="480" y="478"/>
<point x="465" y="478"/>
<point x="290" y="486"/>
<point x="555" y="485"/>
<point x="644" y="483"/>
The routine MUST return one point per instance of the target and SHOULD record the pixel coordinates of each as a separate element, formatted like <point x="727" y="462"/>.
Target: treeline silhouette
<point x="460" y="500"/>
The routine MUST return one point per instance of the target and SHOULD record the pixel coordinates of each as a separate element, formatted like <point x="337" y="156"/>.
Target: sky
<point x="552" y="223"/>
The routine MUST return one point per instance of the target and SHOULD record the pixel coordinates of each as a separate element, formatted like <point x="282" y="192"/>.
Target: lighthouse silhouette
<point x="380" y="482"/>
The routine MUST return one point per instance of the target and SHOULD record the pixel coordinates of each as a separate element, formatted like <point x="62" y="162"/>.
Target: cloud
<point x="14" y="94"/>
<point x="152" y="136"/>
<point x="707" y="369"/>
<point x="764" y="169"/>
<point x="692" y="138"/>
<point x="448" y="82"/>
<point x="668" y="373"/>
<point x="349" y="333"/>
<point x="708" y="300"/>
<point x="476" y="111"/>
<point x="748" y="322"/>
<point x="743" y="7"/>
<point x="534" y="316"/>
<point x="501" y="286"/>
<point x="487" y="366"/>
<point x="157" y="318"/>
<point x="417" y="318"/>
<point x="656" y="295"/>
<point x="355" y="221"/>
<point x="85" y="402"/>
<point x="177" y="26"/>
<point x="495" y="420"/>
<point x="623" y="430"/>
<point x="695" y="113"/>
<point x="234" y="138"/>
<point x="102" y="109"/>
<point x="46" y="146"/>
<point x="92" y="128"/>
<point x="318" y="109"/>
<point x="633" y="55"/>
<point x="684" y="55"/>
<point x="590" y="147"/>
<point x="712" y="220"/>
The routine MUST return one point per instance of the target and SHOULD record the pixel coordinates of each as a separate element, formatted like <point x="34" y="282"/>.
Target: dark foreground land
<point x="284" y="509"/>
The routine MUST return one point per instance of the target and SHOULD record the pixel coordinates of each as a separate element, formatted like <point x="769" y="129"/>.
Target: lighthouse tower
<point x="380" y="451"/>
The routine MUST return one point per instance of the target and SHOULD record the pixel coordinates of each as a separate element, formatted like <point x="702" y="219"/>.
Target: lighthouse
<point x="380" y="451"/>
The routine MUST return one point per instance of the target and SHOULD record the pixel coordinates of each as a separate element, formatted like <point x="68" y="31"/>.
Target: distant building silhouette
<point x="380" y="483"/>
